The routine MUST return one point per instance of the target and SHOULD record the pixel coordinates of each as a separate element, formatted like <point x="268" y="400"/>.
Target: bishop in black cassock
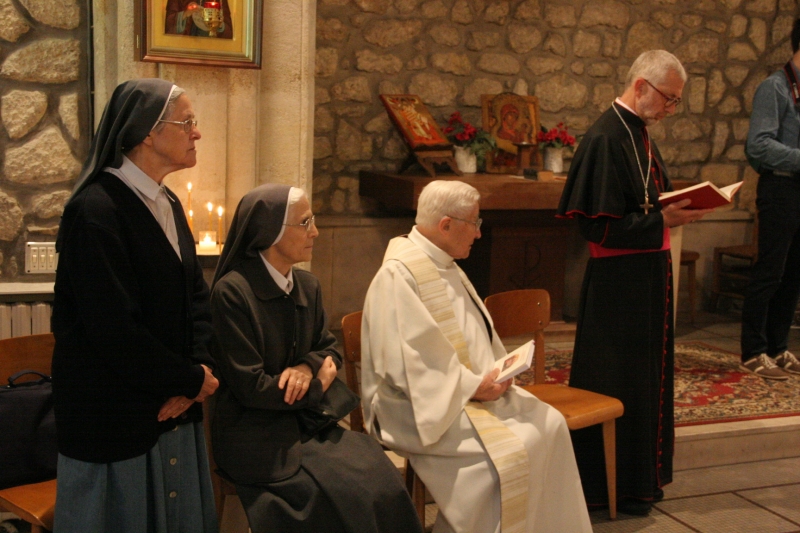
<point x="624" y="341"/>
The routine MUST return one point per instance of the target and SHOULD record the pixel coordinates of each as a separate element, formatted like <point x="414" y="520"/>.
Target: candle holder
<point x="212" y="16"/>
<point x="208" y="243"/>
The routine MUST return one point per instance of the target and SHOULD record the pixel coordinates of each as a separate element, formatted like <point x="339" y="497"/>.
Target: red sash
<point x="597" y="251"/>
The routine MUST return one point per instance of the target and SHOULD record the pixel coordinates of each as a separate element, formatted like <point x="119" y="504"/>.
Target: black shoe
<point x="658" y="495"/>
<point x="634" y="507"/>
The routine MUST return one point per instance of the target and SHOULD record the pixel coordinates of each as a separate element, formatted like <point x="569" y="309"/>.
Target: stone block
<point x="499" y="63"/>
<point x="44" y="61"/>
<point x="544" y="65"/>
<point x="453" y="63"/>
<point x="369" y="61"/>
<point x="605" y="13"/>
<point x="560" y="16"/>
<point x="12" y="23"/>
<point x="21" y="111"/>
<point x="68" y="111"/>
<point x="50" y="205"/>
<point x="10" y="218"/>
<point x="64" y="14"/>
<point x="388" y="33"/>
<point x="445" y="34"/>
<point x="477" y="87"/>
<point x="497" y="12"/>
<point x="326" y="62"/>
<point x="44" y="159"/>
<point x="560" y="92"/>
<point x="433" y="89"/>
<point x="523" y="38"/>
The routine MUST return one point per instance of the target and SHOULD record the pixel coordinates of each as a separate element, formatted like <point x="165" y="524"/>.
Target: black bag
<point x="28" y="448"/>
<point x="337" y="402"/>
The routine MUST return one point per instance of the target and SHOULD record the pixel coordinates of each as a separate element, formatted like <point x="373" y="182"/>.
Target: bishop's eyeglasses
<point x="187" y="124"/>
<point x="670" y="100"/>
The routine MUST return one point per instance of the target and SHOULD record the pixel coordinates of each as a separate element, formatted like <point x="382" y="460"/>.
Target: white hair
<point x="442" y="198"/>
<point x="169" y="107"/>
<point x="653" y="66"/>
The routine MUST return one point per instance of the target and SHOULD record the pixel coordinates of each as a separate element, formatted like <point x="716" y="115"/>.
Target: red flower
<point x="556" y="137"/>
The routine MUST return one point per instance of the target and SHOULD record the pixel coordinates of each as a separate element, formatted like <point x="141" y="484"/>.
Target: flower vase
<point x="554" y="159"/>
<point x="467" y="161"/>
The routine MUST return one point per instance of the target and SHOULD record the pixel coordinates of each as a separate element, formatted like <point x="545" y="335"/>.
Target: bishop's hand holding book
<point x="704" y="195"/>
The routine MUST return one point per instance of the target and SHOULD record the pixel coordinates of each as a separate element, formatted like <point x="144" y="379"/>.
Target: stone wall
<point x="572" y="54"/>
<point x="44" y="106"/>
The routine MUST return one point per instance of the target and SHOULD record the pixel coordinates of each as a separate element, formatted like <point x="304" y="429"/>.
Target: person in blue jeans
<point x="774" y="288"/>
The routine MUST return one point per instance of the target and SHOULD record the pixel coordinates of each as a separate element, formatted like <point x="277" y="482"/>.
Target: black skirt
<point x="624" y="348"/>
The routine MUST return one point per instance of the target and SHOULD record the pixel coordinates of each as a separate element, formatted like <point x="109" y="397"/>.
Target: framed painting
<point x="512" y="120"/>
<point x="220" y="33"/>
<point x="413" y="120"/>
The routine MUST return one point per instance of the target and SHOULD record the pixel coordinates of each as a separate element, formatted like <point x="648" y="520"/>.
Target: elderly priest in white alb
<point x="492" y="455"/>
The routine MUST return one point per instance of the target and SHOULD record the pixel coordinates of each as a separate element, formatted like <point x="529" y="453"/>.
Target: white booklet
<point x="515" y="362"/>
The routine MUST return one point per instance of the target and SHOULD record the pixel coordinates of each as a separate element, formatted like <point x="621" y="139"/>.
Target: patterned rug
<point x="709" y="386"/>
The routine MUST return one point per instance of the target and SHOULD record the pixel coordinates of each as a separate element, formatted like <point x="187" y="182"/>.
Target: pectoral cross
<point x="646" y="205"/>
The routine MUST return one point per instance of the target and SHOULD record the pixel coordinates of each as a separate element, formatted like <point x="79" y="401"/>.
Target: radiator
<point x="20" y="319"/>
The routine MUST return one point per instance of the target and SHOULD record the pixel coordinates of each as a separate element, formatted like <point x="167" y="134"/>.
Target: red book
<point x="704" y="195"/>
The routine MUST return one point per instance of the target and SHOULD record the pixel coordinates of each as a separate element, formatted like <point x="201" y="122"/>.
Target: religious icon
<point x="510" y="361"/>
<point x="413" y="120"/>
<point x="204" y="19"/>
<point x="512" y="120"/>
<point x="218" y="33"/>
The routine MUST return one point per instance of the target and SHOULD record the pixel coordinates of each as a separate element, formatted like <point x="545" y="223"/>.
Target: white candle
<point x="210" y="214"/>
<point x="208" y="242"/>
<point x="219" y="223"/>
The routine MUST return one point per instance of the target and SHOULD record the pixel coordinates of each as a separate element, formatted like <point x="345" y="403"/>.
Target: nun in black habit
<point x="277" y="359"/>
<point x="132" y="326"/>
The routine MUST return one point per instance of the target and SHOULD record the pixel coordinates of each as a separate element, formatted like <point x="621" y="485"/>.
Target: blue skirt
<point x="166" y="490"/>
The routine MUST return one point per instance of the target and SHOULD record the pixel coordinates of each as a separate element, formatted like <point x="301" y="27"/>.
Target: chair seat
<point x="581" y="408"/>
<point x="742" y="251"/>
<point x="34" y="503"/>
<point x="689" y="256"/>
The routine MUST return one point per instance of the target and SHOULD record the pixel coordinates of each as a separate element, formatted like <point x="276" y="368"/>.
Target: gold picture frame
<point x="511" y="119"/>
<point x="219" y="33"/>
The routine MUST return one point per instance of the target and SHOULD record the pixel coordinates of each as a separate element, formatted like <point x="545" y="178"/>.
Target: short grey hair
<point x="442" y="198"/>
<point x="176" y="93"/>
<point x="653" y="66"/>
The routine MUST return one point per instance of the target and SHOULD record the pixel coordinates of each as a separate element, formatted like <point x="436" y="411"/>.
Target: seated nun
<point x="278" y="361"/>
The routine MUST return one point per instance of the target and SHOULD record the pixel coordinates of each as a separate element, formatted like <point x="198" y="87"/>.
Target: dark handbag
<point x="28" y="447"/>
<point x="336" y="403"/>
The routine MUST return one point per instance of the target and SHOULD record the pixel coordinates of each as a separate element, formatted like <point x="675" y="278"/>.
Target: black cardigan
<point x="260" y="331"/>
<point x="131" y="322"/>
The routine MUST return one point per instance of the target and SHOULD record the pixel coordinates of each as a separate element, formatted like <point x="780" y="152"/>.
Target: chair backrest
<point x="525" y="311"/>
<point x="351" y="332"/>
<point x="32" y="352"/>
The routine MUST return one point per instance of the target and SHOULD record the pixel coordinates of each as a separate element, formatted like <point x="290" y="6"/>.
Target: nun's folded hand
<point x="174" y="407"/>
<point x="327" y="373"/>
<point x="210" y="384"/>
<point x="295" y="380"/>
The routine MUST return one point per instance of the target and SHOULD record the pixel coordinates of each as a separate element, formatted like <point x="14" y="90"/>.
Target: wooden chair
<point x="689" y="260"/>
<point x="528" y="311"/>
<point x="731" y="268"/>
<point x="34" y="503"/>
<point x="351" y="331"/>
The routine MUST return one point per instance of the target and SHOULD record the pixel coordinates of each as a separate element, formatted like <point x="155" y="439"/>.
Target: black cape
<point x="624" y="340"/>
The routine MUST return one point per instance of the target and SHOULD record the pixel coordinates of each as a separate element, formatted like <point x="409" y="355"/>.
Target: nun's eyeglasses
<point x="187" y="124"/>
<point x="307" y="223"/>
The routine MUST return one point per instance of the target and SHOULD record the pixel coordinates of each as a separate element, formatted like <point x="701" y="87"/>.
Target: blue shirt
<point x="774" y="135"/>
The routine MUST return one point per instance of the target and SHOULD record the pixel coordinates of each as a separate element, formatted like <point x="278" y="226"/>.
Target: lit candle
<point x="191" y="222"/>
<point x="208" y="242"/>
<point x="219" y="223"/>
<point x="189" y="201"/>
<point x="210" y="214"/>
<point x="211" y="5"/>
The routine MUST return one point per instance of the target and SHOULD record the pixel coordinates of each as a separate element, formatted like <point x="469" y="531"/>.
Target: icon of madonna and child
<point x="211" y="18"/>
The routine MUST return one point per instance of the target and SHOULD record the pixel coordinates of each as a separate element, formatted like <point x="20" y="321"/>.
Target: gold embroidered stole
<point x="505" y="449"/>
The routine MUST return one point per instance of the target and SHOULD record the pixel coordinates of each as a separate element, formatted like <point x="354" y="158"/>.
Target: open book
<point x="516" y="362"/>
<point x="704" y="195"/>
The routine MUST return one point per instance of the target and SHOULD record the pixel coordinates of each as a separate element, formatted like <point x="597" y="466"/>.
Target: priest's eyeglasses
<point x="307" y="223"/>
<point x="187" y="124"/>
<point x="477" y="223"/>
<point x="670" y="100"/>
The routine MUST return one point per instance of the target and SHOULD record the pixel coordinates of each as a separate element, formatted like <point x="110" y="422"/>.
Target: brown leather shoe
<point x="788" y="362"/>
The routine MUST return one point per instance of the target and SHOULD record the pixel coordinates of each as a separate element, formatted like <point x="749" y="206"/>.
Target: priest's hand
<point x="488" y="390"/>
<point x="327" y="373"/>
<point x="296" y="380"/>
<point x="676" y="215"/>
